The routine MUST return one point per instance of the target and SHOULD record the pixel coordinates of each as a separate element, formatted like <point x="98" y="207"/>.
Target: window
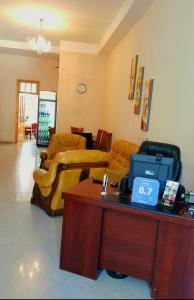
<point x="48" y="95"/>
<point x="28" y="87"/>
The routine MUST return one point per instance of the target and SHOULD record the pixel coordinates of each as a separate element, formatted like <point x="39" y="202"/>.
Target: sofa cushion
<point x="63" y="142"/>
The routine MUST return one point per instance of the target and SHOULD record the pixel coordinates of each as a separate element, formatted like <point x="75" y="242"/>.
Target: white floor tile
<point x="30" y="242"/>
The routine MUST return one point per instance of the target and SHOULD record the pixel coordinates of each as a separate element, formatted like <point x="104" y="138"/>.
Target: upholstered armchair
<point x="61" y="142"/>
<point x="118" y="161"/>
<point x="66" y="169"/>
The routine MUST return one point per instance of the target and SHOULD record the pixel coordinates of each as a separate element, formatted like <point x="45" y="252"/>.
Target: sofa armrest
<point x="41" y="178"/>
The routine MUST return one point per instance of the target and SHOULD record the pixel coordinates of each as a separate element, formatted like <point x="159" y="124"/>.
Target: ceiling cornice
<point x="129" y="14"/>
<point x="22" y="46"/>
<point x="79" y="47"/>
<point x="115" y="23"/>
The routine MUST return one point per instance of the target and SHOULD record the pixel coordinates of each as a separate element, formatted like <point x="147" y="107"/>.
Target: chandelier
<point x="39" y="44"/>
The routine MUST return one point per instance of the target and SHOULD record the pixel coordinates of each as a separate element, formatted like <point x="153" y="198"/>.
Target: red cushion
<point x="77" y="129"/>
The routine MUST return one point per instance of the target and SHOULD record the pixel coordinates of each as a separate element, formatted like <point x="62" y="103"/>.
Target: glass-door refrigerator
<point x="46" y="117"/>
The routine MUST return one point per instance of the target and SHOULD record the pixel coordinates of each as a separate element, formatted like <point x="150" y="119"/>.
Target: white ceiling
<point x="81" y="21"/>
<point x="74" y="20"/>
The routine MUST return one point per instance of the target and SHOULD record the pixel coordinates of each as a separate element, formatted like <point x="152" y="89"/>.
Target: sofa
<point x="66" y="169"/>
<point x="61" y="142"/>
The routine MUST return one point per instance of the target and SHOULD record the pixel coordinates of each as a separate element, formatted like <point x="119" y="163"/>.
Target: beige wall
<point x="164" y="40"/>
<point x="15" y="67"/>
<point x="81" y="110"/>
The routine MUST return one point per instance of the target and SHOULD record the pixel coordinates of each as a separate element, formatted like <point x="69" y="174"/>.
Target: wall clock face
<point x="81" y="88"/>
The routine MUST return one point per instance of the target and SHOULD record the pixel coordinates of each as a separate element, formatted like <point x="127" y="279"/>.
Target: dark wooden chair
<point x="51" y="131"/>
<point x="28" y="131"/>
<point x="103" y="141"/>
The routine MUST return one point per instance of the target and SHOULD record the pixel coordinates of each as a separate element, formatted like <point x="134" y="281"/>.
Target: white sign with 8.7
<point x="142" y="190"/>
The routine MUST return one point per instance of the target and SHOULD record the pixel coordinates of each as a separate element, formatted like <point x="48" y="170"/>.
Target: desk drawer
<point x="128" y="244"/>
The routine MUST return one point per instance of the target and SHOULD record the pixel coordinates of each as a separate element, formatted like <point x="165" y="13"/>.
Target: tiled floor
<point x="30" y="242"/>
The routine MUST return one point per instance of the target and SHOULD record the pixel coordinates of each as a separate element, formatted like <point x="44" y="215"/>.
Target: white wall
<point x="81" y="110"/>
<point x="164" y="40"/>
<point x="15" y="67"/>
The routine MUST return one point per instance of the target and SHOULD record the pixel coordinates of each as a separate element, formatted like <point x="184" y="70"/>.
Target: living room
<point x="161" y="34"/>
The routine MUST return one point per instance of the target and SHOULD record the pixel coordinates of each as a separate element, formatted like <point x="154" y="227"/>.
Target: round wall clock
<point x="81" y="88"/>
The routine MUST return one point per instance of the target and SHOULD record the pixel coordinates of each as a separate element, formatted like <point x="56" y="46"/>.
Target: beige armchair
<point x="118" y="161"/>
<point x="66" y="169"/>
<point x="61" y="142"/>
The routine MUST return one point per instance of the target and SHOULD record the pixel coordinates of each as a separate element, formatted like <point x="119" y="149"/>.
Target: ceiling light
<point x="39" y="44"/>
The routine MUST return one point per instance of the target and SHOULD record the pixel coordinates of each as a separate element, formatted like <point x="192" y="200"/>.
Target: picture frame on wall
<point x="138" y="90"/>
<point x="133" y="71"/>
<point x="147" y="104"/>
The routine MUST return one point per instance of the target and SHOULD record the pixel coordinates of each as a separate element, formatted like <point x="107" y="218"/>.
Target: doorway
<point x="27" y="93"/>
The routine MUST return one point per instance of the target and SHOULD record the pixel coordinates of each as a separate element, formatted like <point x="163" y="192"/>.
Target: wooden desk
<point x="150" y="246"/>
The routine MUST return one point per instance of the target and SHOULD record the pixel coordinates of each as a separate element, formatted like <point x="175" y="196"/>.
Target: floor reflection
<point x="29" y="271"/>
<point x="28" y="160"/>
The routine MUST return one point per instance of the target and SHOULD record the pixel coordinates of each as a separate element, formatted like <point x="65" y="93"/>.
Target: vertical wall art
<point x="147" y="105"/>
<point x="138" y="90"/>
<point x="133" y="72"/>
